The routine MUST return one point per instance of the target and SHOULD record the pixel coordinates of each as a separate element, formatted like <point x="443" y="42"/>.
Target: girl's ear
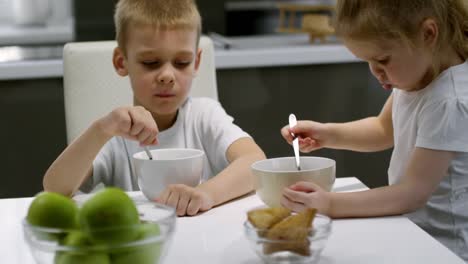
<point x="430" y="32"/>
<point x="119" y="61"/>
<point x="198" y="60"/>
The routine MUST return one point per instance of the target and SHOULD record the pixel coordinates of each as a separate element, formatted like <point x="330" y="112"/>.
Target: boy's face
<point x="161" y="65"/>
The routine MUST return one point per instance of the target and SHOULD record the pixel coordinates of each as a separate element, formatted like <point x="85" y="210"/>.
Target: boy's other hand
<point x="131" y="122"/>
<point x="187" y="200"/>
<point x="312" y="135"/>
<point x="302" y="195"/>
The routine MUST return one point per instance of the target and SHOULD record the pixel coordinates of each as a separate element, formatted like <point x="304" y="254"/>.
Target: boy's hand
<point x="133" y="122"/>
<point x="311" y="135"/>
<point x="187" y="200"/>
<point x="302" y="195"/>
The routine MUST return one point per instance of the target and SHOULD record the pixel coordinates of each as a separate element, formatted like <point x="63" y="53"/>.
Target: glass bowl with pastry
<point x="278" y="235"/>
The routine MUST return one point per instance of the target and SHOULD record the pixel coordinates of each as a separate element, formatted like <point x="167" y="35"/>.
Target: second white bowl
<point x="273" y="175"/>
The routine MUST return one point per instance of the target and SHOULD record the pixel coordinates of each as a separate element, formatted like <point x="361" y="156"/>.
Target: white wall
<point x="5" y="11"/>
<point x="61" y="11"/>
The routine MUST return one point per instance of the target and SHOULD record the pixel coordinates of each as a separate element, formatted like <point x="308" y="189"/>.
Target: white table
<point x="217" y="237"/>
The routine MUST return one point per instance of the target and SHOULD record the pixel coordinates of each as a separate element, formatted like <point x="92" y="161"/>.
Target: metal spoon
<point x="293" y="123"/>
<point x="148" y="153"/>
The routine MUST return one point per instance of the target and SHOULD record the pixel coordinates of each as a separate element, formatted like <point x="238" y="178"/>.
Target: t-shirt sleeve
<point x="219" y="132"/>
<point x="443" y="125"/>
<point x="102" y="168"/>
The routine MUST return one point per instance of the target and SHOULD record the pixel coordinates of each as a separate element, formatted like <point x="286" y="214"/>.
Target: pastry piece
<point x="291" y="234"/>
<point x="266" y="217"/>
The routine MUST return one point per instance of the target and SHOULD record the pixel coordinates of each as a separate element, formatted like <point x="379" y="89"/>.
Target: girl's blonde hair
<point x="401" y="20"/>
<point x="161" y="14"/>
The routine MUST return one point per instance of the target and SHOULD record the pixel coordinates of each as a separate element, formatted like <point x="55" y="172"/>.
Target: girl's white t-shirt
<point x="436" y="117"/>
<point x="201" y="123"/>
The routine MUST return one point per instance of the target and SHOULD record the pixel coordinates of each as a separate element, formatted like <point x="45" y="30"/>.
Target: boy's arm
<point x="425" y="171"/>
<point x="74" y="165"/>
<point x="236" y="179"/>
<point x="365" y="135"/>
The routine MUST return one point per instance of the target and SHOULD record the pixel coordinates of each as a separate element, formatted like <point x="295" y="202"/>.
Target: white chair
<point x="92" y="88"/>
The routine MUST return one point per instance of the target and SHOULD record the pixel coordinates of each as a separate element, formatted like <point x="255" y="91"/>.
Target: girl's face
<point x="394" y="64"/>
<point x="161" y="65"/>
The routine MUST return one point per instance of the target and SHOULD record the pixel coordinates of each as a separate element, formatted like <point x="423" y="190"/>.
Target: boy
<point x="158" y="50"/>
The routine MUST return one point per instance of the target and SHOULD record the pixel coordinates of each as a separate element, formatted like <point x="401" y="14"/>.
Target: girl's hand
<point x="187" y="200"/>
<point x="311" y="135"/>
<point x="302" y="195"/>
<point x="134" y="122"/>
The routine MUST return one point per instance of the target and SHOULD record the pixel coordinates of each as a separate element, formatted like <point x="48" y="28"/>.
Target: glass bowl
<point x="291" y="251"/>
<point x="152" y="240"/>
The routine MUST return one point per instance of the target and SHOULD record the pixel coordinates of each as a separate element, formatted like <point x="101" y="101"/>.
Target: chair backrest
<point x="92" y="88"/>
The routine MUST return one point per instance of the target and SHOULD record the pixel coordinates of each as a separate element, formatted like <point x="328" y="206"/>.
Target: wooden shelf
<point x="305" y="7"/>
<point x="316" y="25"/>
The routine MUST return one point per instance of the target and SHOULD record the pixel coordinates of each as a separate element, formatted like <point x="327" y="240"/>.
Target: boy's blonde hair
<point x="401" y="20"/>
<point x="161" y="14"/>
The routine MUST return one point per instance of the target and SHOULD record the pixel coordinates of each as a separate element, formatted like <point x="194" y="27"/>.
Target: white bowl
<point x="168" y="166"/>
<point x="273" y="175"/>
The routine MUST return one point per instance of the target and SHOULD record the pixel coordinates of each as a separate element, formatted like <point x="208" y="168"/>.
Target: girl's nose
<point x="166" y="75"/>
<point x="376" y="71"/>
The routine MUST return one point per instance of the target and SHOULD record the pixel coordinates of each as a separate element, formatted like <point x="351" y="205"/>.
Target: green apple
<point x="110" y="216"/>
<point x="76" y="238"/>
<point x="79" y="239"/>
<point x="88" y="258"/>
<point x="53" y="210"/>
<point x="142" y="254"/>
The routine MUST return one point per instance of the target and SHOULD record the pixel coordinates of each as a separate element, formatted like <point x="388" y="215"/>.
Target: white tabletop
<point x="217" y="237"/>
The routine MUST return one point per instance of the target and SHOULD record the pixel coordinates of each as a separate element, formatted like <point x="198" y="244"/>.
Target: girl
<point x="419" y="49"/>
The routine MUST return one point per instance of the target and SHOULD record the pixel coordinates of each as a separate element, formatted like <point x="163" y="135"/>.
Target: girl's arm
<point x="236" y="179"/>
<point x="365" y="135"/>
<point x="425" y="171"/>
<point x="74" y="165"/>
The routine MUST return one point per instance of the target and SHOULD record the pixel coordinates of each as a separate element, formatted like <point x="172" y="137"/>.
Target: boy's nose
<point x="166" y="76"/>
<point x="165" y="79"/>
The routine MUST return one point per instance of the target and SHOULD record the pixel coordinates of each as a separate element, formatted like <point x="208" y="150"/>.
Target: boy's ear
<point x="430" y="32"/>
<point x="119" y="61"/>
<point x="198" y="59"/>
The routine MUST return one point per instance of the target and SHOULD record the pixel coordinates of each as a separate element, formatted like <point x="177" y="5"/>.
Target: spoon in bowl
<point x="293" y="123"/>
<point x="148" y="153"/>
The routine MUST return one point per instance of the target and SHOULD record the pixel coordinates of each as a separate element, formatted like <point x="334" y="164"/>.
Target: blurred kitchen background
<point x="259" y="95"/>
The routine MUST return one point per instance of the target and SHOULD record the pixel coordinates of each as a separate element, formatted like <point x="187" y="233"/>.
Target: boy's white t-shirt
<point x="437" y="118"/>
<point x="201" y="123"/>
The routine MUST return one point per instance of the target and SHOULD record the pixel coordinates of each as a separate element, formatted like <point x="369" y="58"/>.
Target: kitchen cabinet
<point x="94" y="19"/>
<point x="32" y="135"/>
<point x="261" y="99"/>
